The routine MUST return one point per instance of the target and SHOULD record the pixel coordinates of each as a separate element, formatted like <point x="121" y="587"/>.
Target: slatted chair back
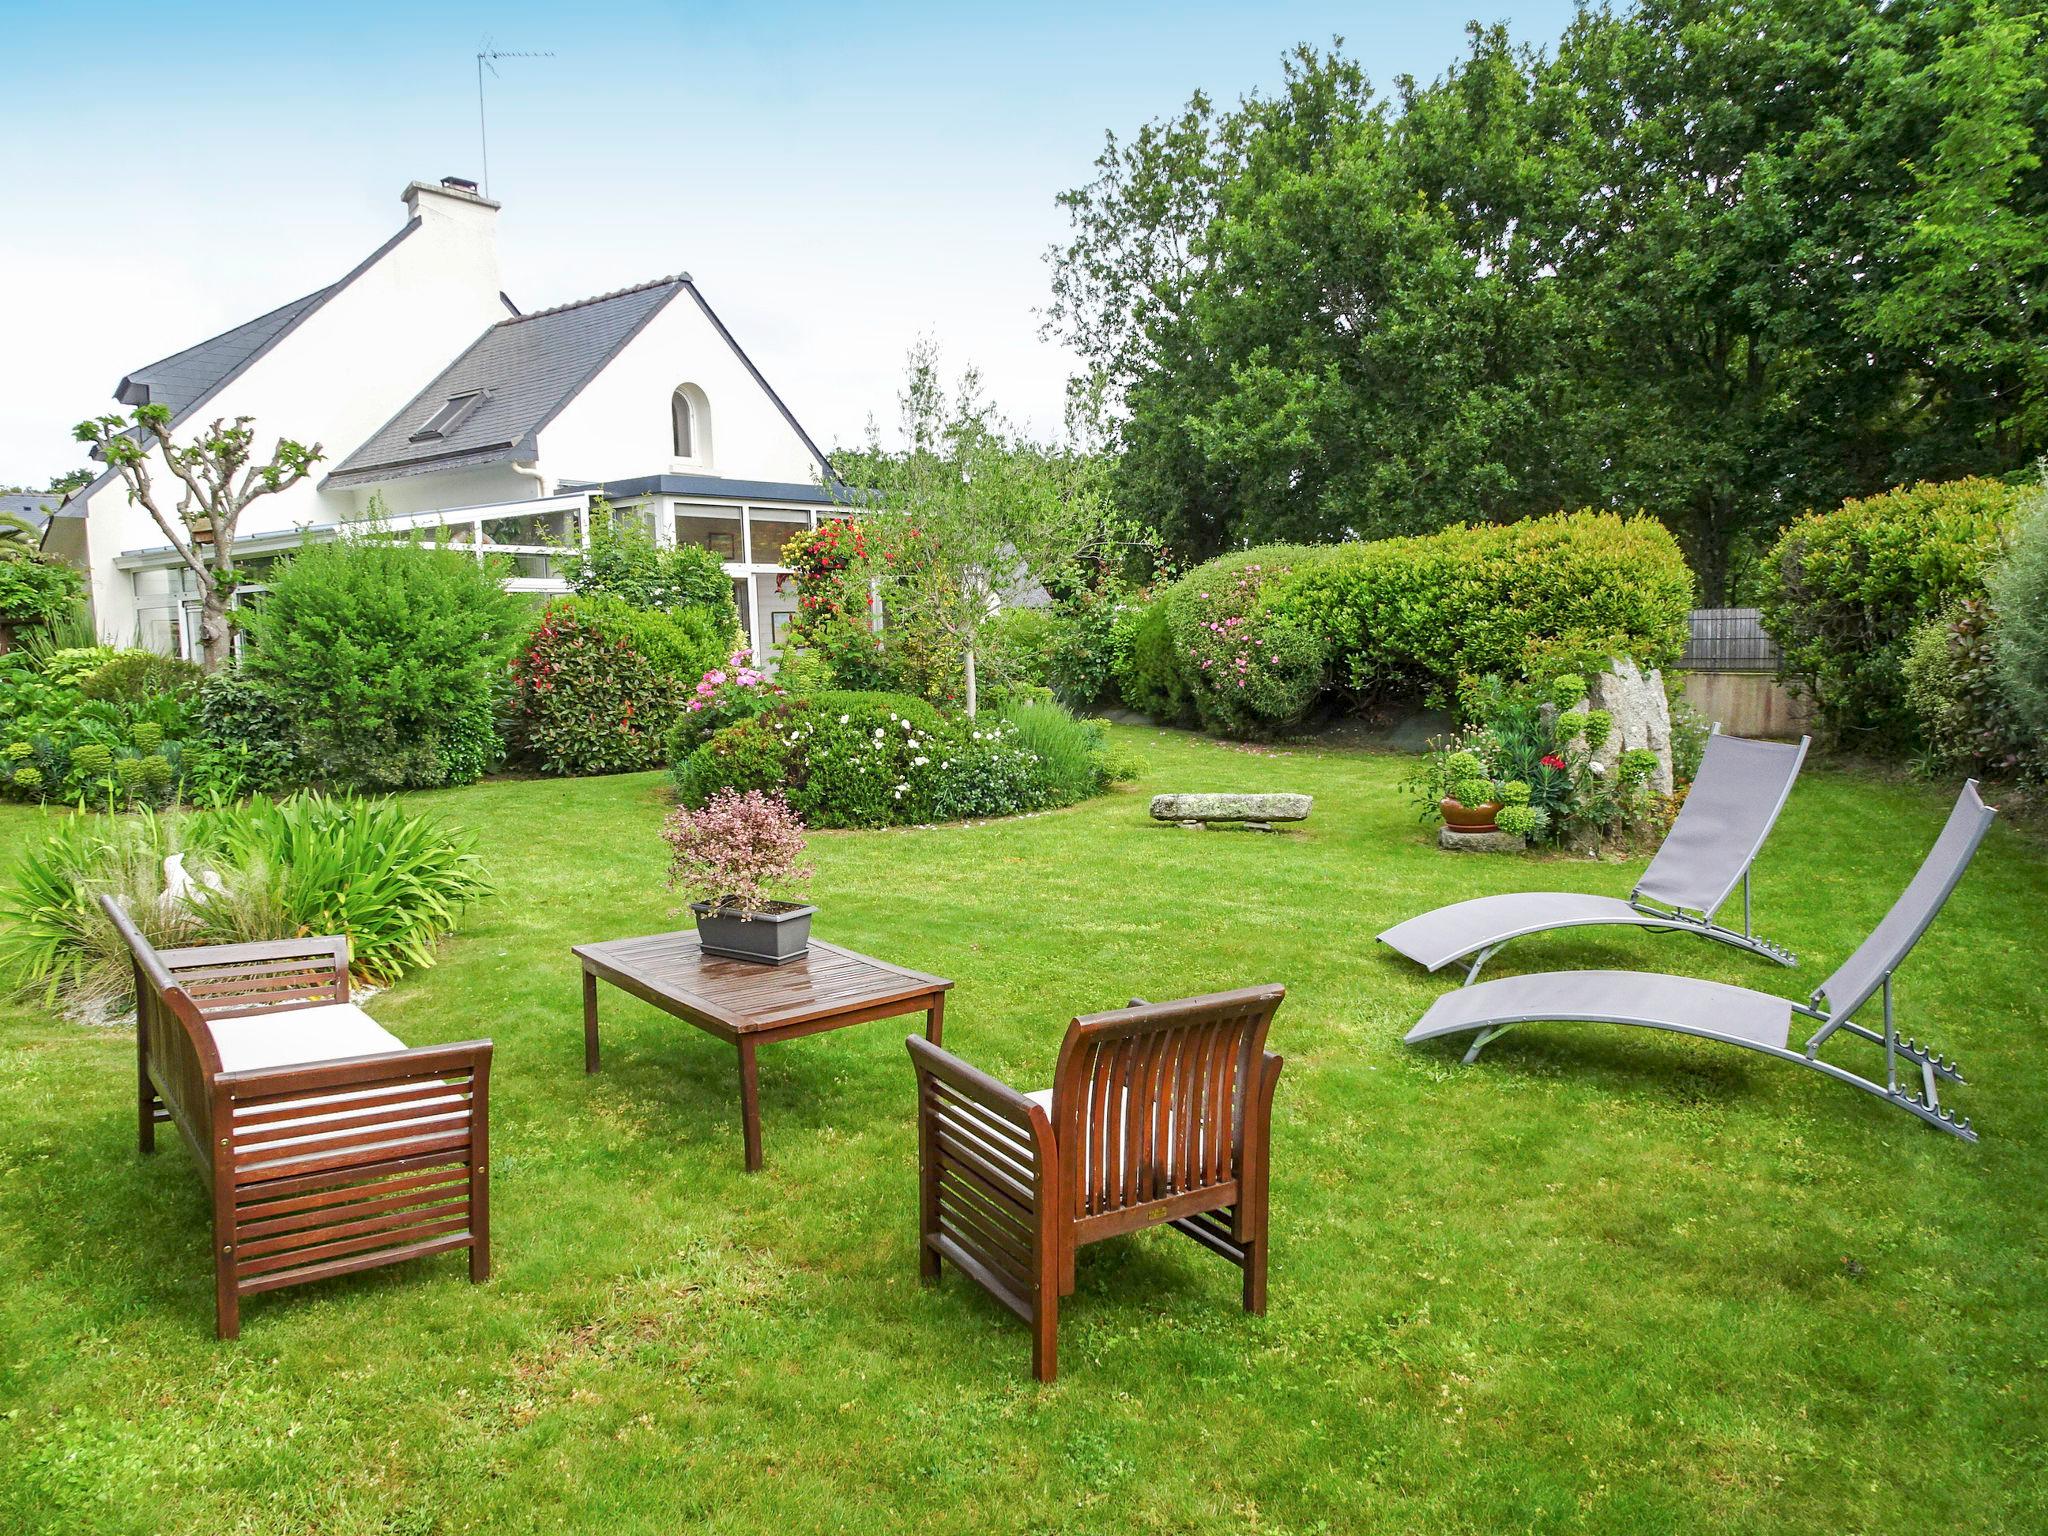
<point x="1150" y="1105"/>
<point x="272" y="975"/>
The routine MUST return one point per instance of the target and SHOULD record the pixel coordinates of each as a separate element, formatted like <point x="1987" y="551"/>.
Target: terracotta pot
<point x="1460" y="817"/>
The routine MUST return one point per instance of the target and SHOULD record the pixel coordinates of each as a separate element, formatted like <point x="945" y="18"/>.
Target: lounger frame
<point x="1494" y="1008"/>
<point x="1643" y="909"/>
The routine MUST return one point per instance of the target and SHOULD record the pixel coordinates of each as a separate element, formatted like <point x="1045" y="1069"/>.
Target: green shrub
<point x="388" y="658"/>
<point x="1408" y="618"/>
<point x="130" y="677"/>
<point x="624" y="562"/>
<point x="1072" y="763"/>
<point x="851" y="759"/>
<point x="249" y="732"/>
<point x="2019" y="593"/>
<point x="1246" y="644"/>
<point x="1144" y="667"/>
<point x="599" y="687"/>
<point x="61" y="745"/>
<point x="1957" y="698"/>
<point x="1066" y="648"/>
<point x="1845" y="590"/>
<point x="35" y="590"/>
<point x="394" y="882"/>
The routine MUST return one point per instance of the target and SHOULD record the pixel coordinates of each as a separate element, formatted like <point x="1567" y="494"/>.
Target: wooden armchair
<point x="1158" y="1113"/>
<point x="328" y="1146"/>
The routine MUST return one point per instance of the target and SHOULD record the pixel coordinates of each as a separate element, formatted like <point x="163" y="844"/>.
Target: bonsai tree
<point x="220" y="480"/>
<point x="738" y="854"/>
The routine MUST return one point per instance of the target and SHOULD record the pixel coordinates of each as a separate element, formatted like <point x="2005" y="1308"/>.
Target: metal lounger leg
<point x="1484" y="1038"/>
<point x="1484" y="955"/>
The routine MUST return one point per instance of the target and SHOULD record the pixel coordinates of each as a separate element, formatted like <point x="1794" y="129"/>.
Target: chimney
<point x="454" y="199"/>
<point x="458" y="232"/>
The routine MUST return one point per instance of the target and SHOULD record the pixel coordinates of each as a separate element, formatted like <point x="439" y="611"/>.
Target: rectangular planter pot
<point x="766" y="938"/>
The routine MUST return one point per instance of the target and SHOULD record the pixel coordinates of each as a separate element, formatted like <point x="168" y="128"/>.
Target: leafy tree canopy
<point x="1721" y="260"/>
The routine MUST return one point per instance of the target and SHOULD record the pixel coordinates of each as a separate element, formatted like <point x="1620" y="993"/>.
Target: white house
<point x="429" y="390"/>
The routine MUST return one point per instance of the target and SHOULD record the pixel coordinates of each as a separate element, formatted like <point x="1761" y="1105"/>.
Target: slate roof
<point x="31" y="507"/>
<point x="528" y="367"/>
<point x="186" y="378"/>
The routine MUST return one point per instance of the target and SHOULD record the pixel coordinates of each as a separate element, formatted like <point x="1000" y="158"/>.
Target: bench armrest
<point x="987" y="1166"/>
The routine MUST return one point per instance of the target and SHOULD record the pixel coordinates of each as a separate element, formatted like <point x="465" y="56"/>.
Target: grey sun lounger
<point x="1755" y="1021"/>
<point x="1734" y="800"/>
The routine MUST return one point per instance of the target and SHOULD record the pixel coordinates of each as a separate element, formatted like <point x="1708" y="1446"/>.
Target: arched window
<point x="690" y="423"/>
<point x="686" y="435"/>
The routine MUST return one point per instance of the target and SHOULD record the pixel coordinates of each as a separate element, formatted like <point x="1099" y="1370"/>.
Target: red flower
<point x="1554" y="762"/>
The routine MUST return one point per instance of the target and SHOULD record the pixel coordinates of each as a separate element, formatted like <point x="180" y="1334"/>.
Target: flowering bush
<point x="724" y="695"/>
<point x="874" y="760"/>
<point x="1247" y="669"/>
<point x="599" y="686"/>
<point x="738" y="850"/>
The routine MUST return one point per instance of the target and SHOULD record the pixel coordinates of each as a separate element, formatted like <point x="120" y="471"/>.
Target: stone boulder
<point x="1255" y="810"/>
<point x="1480" y="842"/>
<point x="1642" y="718"/>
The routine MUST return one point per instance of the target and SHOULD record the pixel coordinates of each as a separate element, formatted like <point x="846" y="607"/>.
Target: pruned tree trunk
<point x="971" y="699"/>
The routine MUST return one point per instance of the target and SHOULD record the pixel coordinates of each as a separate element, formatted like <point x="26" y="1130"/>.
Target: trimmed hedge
<point x="1249" y="643"/>
<point x="1845" y="590"/>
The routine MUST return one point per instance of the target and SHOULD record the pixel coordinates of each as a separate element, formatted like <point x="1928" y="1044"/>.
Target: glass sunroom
<point x="744" y="523"/>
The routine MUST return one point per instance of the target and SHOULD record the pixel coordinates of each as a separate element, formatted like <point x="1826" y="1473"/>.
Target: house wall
<point x="450" y="488"/>
<point x="336" y="378"/>
<point x="620" y="427"/>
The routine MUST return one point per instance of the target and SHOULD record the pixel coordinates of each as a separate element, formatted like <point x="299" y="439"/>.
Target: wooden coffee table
<point x="749" y="1005"/>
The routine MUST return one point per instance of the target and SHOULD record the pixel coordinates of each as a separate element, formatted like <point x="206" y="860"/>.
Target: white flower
<point x="919" y="762"/>
<point x="843" y="719"/>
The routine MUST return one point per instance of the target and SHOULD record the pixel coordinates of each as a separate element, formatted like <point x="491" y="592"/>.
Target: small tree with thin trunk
<point x="219" y="478"/>
<point x="968" y="514"/>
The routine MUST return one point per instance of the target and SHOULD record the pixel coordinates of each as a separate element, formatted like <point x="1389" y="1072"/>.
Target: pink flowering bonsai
<point x="739" y="854"/>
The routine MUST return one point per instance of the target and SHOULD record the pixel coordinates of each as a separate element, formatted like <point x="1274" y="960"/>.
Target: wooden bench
<point x="327" y="1145"/>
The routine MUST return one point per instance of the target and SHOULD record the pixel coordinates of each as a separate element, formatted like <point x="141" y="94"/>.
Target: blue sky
<point x="838" y="178"/>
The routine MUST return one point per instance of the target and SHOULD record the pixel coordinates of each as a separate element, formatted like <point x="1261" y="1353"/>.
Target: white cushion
<point x="297" y="1037"/>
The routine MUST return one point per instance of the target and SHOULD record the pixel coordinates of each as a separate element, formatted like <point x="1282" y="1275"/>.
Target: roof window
<point x="452" y="414"/>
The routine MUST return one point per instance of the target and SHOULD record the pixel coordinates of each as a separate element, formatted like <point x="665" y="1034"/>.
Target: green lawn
<point x="1601" y="1281"/>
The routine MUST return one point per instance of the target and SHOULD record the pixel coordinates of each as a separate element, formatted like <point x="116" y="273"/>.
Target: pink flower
<point x="714" y="678"/>
<point x="705" y="690"/>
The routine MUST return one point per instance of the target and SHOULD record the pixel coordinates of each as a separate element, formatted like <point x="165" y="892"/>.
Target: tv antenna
<point x="487" y="57"/>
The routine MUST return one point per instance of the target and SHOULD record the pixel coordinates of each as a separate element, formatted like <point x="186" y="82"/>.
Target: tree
<point x="1723" y="260"/>
<point x="968" y="513"/>
<point x="220" y="480"/>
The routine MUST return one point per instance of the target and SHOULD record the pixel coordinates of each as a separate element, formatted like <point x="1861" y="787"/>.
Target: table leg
<point x="935" y="1018"/>
<point x="589" y="1021"/>
<point x="750" y="1106"/>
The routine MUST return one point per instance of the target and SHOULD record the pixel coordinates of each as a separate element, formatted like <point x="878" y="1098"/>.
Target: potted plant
<point x="1471" y="797"/>
<point x="738" y="857"/>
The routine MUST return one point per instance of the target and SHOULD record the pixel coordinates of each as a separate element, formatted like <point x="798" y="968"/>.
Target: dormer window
<point x="690" y="425"/>
<point x="452" y="414"/>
